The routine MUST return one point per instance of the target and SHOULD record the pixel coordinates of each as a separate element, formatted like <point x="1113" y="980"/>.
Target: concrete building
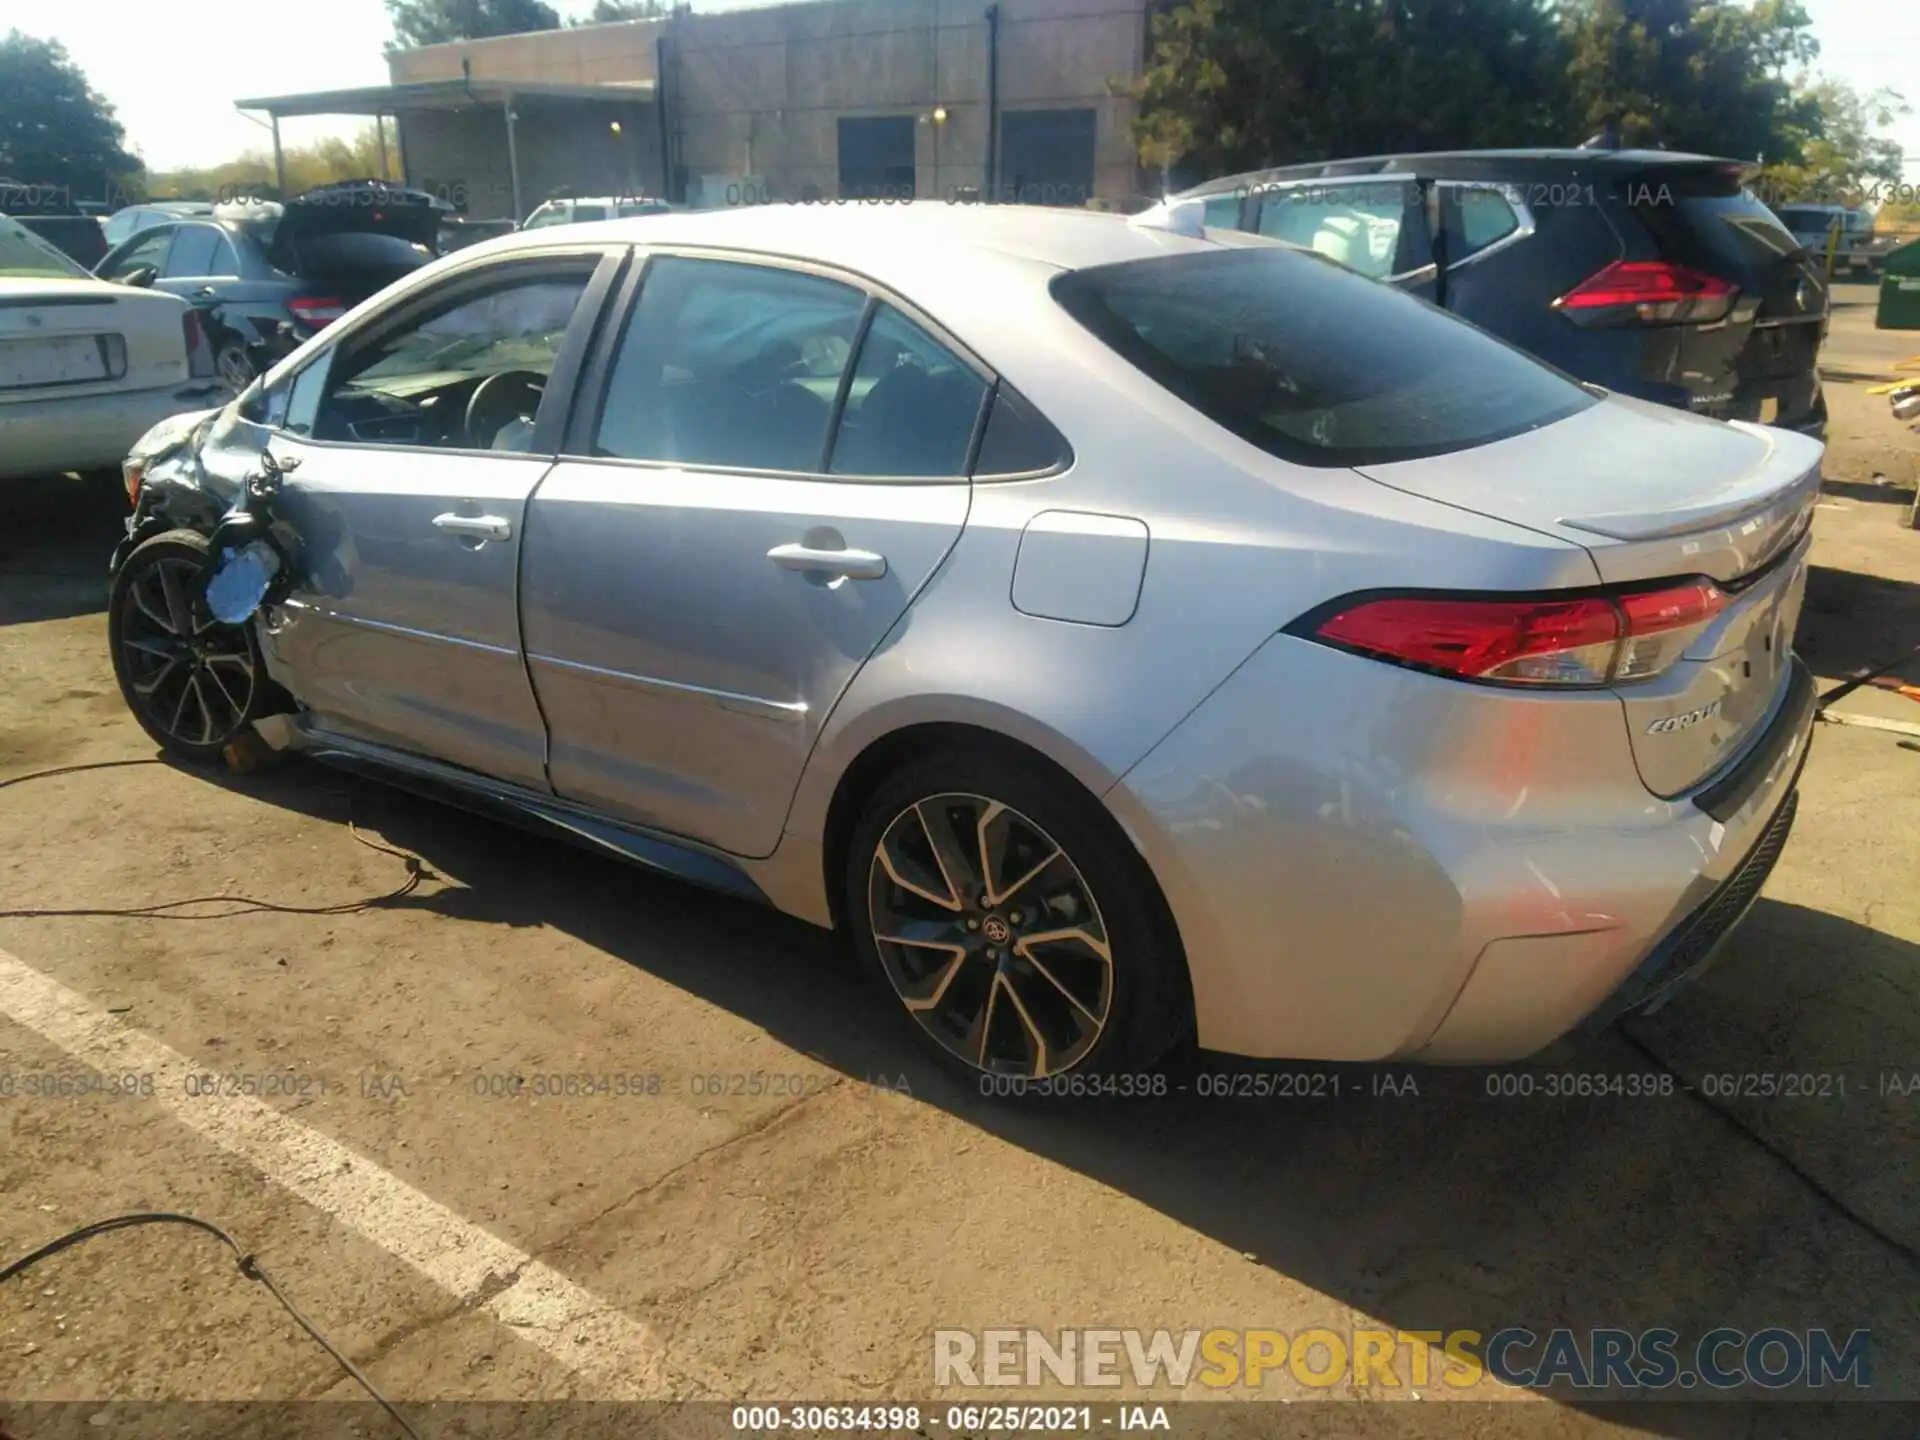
<point x="824" y="100"/>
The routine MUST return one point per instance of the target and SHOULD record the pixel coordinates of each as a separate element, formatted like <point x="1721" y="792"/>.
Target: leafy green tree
<point x="434" y="22"/>
<point x="1843" y="159"/>
<point x="606" y="12"/>
<point x="1712" y="76"/>
<point x="54" y="130"/>
<point x="251" y="173"/>
<point x="1237" y="84"/>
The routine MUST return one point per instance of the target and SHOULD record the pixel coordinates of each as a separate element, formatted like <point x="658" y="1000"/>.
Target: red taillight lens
<point x="1592" y="640"/>
<point x="132" y="473"/>
<point x="1648" y="292"/>
<point x="199" y="361"/>
<point x="317" y="312"/>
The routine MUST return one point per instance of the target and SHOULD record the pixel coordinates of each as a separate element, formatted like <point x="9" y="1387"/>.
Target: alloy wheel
<point x="990" y="935"/>
<point x="194" y="676"/>
<point x="235" y="367"/>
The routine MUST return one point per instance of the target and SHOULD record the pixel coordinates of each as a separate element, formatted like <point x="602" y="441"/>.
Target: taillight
<point x="317" y="312"/>
<point x="199" y="362"/>
<point x="1588" y="640"/>
<point x="1648" y="292"/>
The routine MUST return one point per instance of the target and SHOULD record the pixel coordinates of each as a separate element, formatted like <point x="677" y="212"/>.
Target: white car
<point x="86" y="368"/>
<point x="600" y="207"/>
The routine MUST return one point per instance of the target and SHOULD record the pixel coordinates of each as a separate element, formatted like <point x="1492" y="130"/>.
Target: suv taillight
<point x="317" y="312"/>
<point x="1648" y="292"/>
<point x="1584" y="641"/>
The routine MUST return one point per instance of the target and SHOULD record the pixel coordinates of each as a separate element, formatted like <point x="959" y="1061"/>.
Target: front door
<point x="413" y="441"/>
<point x="778" y="467"/>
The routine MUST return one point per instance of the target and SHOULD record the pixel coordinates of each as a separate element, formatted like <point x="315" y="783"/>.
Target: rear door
<point x="415" y="442"/>
<point x="778" y="465"/>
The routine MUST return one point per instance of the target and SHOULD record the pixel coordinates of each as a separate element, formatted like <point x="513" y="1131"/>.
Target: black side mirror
<point x="141" y="277"/>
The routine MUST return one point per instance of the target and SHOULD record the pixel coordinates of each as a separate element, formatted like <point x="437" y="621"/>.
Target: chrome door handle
<point x="854" y="564"/>
<point x="483" y="527"/>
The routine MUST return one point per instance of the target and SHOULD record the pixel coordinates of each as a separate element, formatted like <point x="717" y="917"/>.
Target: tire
<point x="234" y="365"/>
<point x="1092" y="963"/>
<point x="186" y="692"/>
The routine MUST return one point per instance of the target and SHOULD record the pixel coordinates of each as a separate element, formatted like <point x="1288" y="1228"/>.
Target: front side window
<point x="469" y="374"/>
<point x="729" y="365"/>
<point x="1358" y="226"/>
<point x="1311" y="362"/>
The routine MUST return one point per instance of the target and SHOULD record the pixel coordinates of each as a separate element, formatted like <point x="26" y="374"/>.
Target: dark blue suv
<point x="1653" y="274"/>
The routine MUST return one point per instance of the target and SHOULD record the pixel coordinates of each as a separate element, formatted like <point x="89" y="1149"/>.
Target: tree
<point x="1843" y="160"/>
<point x="1711" y="76"/>
<point x="251" y="173"/>
<point x="434" y="22"/>
<point x="608" y="12"/>
<point x="1239" y="84"/>
<point x="54" y="130"/>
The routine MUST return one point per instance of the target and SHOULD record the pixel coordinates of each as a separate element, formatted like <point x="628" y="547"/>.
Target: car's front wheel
<point x="194" y="684"/>
<point x="1021" y="933"/>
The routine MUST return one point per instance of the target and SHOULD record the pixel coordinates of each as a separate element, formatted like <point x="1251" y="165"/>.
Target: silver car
<point x="1126" y="637"/>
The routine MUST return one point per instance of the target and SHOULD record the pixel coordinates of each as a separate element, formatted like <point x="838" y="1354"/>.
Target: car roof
<point x="1471" y="164"/>
<point x="896" y="244"/>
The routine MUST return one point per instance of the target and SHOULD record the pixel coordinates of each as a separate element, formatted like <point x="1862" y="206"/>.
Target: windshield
<point x="1312" y="362"/>
<point x="24" y="255"/>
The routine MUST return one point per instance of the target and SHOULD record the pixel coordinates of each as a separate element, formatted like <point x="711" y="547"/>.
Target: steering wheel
<point x="499" y="400"/>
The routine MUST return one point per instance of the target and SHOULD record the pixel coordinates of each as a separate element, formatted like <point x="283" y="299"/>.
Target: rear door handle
<point x="483" y="527"/>
<point x="854" y="564"/>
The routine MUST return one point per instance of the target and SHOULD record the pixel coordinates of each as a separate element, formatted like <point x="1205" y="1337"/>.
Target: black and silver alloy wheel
<point x="193" y="683"/>
<point x="990" y="935"/>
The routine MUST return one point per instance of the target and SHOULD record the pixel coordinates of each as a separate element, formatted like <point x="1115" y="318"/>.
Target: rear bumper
<point x="88" y="432"/>
<point x="1367" y="863"/>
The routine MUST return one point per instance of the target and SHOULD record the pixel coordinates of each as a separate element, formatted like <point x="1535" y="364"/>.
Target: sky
<point x="212" y="51"/>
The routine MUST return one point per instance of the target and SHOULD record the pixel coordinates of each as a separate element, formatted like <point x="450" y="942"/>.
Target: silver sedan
<point x="1127" y="638"/>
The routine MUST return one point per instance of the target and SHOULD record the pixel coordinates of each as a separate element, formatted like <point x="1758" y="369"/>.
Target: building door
<point x="1046" y="157"/>
<point x="876" y="157"/>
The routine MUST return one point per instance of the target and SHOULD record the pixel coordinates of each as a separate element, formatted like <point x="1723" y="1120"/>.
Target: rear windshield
<point x="25" y="255"/>
<point x="1312" y="362"/>
<point x="1726" y="234"/>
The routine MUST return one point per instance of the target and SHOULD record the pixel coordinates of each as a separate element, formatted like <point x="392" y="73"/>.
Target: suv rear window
<point x="1313" y="363"/>
<point x="1718" y="228"/>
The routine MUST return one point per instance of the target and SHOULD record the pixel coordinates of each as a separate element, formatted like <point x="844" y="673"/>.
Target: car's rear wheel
<point x="234" y="365"/>
<point x="194" y="684"/>
<point x="1021" y="933"/>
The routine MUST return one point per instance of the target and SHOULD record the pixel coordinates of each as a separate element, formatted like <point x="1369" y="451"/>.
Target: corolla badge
<point x="1667" y="724"/>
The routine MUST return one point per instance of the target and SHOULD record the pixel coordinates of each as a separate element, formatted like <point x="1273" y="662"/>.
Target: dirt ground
<point x="767" y="1195"/>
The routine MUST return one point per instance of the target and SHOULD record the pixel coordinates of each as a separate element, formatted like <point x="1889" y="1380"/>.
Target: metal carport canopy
<point x="464" y="94"/>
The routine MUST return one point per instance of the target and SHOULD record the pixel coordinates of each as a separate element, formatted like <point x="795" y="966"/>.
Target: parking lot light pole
<point x="513" y="162"/>
<point x="279" y="159"/>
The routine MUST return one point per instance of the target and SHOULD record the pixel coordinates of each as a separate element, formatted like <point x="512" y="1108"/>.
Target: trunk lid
<point x="1657" y="494"/>
<point x="355" y="238"/>
<point x="86" y="337"/>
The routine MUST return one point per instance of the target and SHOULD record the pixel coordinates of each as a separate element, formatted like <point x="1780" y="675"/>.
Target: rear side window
<point x="1314" y="363"/>
<point x="1354" y="225"/>
<point x="911" y="406"/>
<point x="730" y="365"/>
<point x="197" y="251"/>
<point x="1477" y="216"/>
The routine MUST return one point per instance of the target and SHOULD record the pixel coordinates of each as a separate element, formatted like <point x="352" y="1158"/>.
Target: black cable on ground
<point x="248" y="1267"/>
<point x="416" y="872"/>
<point x="75" y="769"/>
<point x="1734" y="1122"/>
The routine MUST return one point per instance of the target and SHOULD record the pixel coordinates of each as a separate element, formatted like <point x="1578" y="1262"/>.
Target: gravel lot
<point x="770" y="1196"/>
